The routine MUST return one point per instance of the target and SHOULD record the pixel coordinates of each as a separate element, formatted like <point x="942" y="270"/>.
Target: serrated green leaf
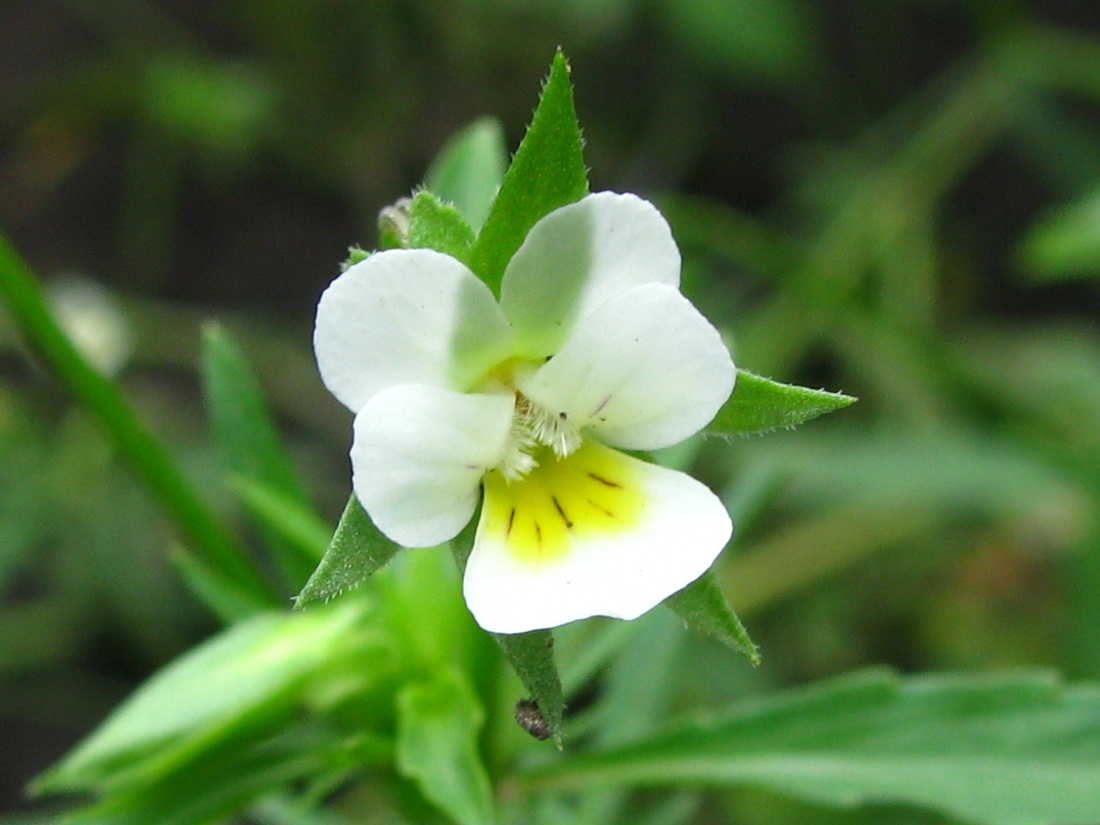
<point x="704" y="607"/>
<point x="247" y="671"/>
<point x="1009" y="749"/>
<point x="468" y="170"/>
<point x="547" y="172"/>
<point x="759" y="405"/>
<point x="248" y="439"/>
<point x="531" y="655"/>
<point x="356" y="254"/>
<point x="437" y="734"/>
<point x="435" y="225"/>
<point x="357" y="550"/>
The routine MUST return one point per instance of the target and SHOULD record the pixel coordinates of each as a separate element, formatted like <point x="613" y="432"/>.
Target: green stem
<point x="210" y="541"/>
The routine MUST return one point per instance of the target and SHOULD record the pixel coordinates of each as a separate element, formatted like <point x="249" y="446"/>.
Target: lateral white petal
<point x="407" y="316"/>
<point x="576" y="258"/>
<point x="644" y="370"/>
<point x="514" y="585"/>
<point x="418" y="457"/>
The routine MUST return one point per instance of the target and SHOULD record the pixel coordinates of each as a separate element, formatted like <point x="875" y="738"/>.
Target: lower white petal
<point x="598" y="533"/>
<point x="419" y="455"/>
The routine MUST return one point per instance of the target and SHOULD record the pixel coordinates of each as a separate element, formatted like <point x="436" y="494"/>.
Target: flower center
<point x="592" y="494"/>
<point x="533" y="428"/>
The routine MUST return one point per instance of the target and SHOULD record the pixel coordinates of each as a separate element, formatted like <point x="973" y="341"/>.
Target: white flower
<point x="591" y="347"/>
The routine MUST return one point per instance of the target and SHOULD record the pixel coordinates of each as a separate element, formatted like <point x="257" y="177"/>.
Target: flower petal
<point x="419" y="455"/>
<point x="644" y="370"/>
<point x="407" y="316"/>
<point x="598" y="533"/>
<point x="576" y="258"/>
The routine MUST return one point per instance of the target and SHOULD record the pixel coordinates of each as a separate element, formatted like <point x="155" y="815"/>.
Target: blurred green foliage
<point x="896" y="200"/>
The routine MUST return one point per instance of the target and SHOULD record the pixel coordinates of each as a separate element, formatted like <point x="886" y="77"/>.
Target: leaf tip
<point x="560" y="61"/>
<point x="310" y="597"/>
<point x="704" y="608"/>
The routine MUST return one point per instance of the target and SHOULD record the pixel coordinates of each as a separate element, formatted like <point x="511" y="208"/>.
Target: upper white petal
<point x="407" y="316"/>
<point x="419" y="455"/>
<point x="682" y="529"/>
<point x="577" y="257"/>
<point x="644" y="370"/>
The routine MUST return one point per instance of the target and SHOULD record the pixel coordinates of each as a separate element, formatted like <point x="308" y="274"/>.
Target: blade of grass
<point x="146" y="455"/>
<point x="251" y="446"/>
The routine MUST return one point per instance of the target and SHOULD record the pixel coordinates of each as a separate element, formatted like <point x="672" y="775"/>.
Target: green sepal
<point x="468" y="170"/>
<point x="438" y="723"/>
<point x="439" y="226"/>
<point x="703" y="605"/>
<point x="355" y="255"/>
<point x="547" y="172"/>
<point x="357" y="550"/>
<point x="249" y="441"/>
<point x="531" y="655"/>
<point x="759" y="405"/>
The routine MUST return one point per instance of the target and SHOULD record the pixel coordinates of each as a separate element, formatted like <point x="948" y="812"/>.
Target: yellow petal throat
<point x="593" y="490"/>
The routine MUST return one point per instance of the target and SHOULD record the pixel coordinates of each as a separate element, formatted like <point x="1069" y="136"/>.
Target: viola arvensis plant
<point x="591" y="350"/>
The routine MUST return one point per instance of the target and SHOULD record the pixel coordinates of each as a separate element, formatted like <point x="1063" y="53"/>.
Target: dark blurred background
<point x="220" y="153"/>
<point x="863" y="190"/>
